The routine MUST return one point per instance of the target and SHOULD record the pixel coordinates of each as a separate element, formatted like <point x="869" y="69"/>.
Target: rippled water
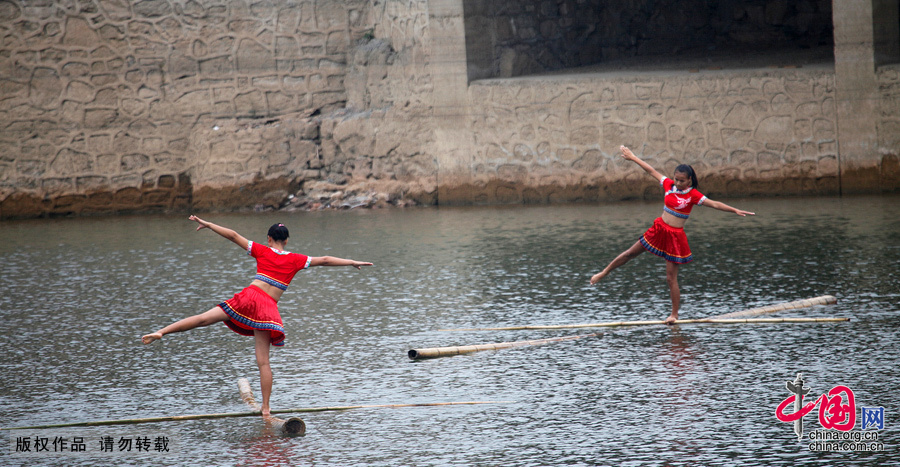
<point x="78" y="293"/>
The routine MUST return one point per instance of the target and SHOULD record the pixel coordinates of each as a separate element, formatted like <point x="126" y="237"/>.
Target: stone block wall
<point x="556" y="139"/>
<point x="118" y="106"/>
<point x="168" y="105"/>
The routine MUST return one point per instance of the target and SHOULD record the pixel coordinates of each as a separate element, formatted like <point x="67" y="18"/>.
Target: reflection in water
<point x="268" y="448"/>
<point x="678" y="355"/>
<point x="78" y="293"/>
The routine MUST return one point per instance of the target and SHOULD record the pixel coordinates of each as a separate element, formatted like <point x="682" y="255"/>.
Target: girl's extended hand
<point x="358" y="264"/>
<point x="203" y="223"/>
<point x="627" y="154"/>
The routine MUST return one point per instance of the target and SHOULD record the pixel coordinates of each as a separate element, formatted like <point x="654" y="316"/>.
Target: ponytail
<point x="278" y="232"/>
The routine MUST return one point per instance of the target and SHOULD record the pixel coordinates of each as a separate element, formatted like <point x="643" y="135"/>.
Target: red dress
<point x="666" y="241"/>
<point x="252" y="309"/>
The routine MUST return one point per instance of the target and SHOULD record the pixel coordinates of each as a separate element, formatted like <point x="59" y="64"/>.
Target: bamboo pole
<point x="809" y="302"/>
<point x="769" y="320"/>
<point x="435" y="352"/>
<point x="291" y="427"/>
<point x="645" y="323"/>
<point x="256" y="413"/>
<point x="135" y="421"/>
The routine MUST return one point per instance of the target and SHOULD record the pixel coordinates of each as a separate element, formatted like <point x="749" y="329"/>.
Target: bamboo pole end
<point x="289" y="427"/>
<point x="294" y="427"/>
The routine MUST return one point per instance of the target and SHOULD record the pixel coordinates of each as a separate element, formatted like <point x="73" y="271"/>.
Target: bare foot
<point x="149" y="338"/>
<point x="596" y="278"/>
<point x="671" y="319"/>
<point x="266" y="412"/>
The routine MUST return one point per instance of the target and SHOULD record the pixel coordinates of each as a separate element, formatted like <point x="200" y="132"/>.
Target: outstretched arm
<point x="724" y="207"/>
<point x="627" y="154"/>
<point x="223" y="231"/>
<point x="332" y="261"/>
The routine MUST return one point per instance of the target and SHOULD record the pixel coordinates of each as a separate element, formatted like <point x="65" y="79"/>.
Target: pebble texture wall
<point x="745" y="133"/>
<point x="120" y="106"/>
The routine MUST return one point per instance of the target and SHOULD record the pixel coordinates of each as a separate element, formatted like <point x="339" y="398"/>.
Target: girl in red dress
<point x="254" y="310"/>
<point x="666" y="237"/>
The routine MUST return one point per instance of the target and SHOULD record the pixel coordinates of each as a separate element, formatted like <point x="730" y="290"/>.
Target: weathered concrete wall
<point x="113" y="106"/>
<point x="858" y="97"/>
<point x="888" y="127"/>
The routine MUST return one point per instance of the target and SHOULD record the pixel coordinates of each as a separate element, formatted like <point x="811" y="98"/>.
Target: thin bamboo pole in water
<point x="645" y="323"/>
<point x="809" y="302"/>
<point x="136" y="421"/>
<point x="292" y="426"/>
<point x="434" y="352"/>
<point x="822" y="300"/>
<point x="173" y="418"/>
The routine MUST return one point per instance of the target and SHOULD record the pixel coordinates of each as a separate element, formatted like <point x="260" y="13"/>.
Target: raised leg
<point x="213" y="315"/>
<point x="623" y="258"/>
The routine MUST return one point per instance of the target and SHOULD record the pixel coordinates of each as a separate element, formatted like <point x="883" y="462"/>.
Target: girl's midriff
<point x="269" y="289"/>
<point x="673" y="221"/>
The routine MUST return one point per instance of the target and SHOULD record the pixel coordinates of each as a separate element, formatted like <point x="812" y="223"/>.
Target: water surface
<point x="79" y="293"/>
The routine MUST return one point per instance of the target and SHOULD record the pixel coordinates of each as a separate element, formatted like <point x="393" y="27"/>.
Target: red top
<point x="276" y="267"/>
<point x="679" y="203"/>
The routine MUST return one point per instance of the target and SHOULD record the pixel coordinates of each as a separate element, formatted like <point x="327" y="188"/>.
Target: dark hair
<point x="689" y="171"/>
<point x="279" y="232"/>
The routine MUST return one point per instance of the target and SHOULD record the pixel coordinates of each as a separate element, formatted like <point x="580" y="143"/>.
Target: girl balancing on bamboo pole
<point x="254" y="310"/>
<point x="666" y="238"/>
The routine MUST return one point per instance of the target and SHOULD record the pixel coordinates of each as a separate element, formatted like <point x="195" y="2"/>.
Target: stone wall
<point x="777" y="122"/>
<point x="116" y="106"/>
<point x="556" y="139"/>
<point x="171" y="105"/>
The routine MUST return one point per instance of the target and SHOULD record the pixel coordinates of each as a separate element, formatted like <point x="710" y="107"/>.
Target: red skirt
<point x="252" y="309"/>
<point x="667" y="242"/>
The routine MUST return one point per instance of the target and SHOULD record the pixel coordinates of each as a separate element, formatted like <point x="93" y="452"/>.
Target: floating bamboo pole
<point x="435" y="352"/>
<point x="645" y="323"/>
<point x="809" y="302"/>
<point x="291" y="427"/>
<point x="135" y="421"/>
